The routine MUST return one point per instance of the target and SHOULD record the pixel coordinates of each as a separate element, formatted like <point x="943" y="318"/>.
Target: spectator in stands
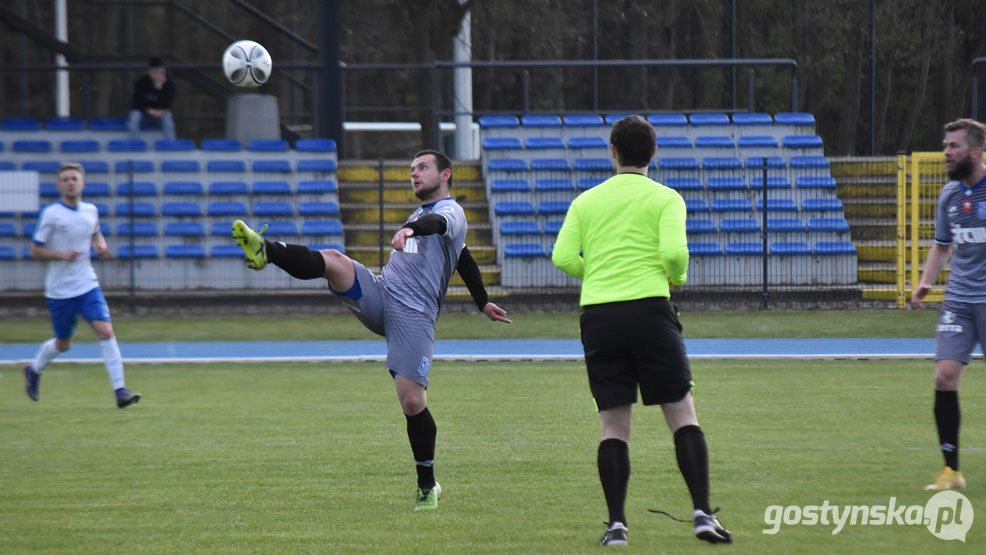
<point x="152" y="98"/>
<point x="625" y="239"/>
<point x="962" y="324"/>
<point x="65" y="232"/>
<point x="403" y="302"/>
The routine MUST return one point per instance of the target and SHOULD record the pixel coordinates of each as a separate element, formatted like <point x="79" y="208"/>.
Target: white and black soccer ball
<point x="247" y="64"/>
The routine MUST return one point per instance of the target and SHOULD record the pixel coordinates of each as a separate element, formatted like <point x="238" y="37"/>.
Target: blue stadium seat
<point x="184" y="229"/>
<point x="8" y="230"/>
<point x="828" y="224"/>
<point x="725" y="183"/>
<point x="550" y="164"/>
<point x="87" y="145"/>
<point x="514" y="209"/>
<point x="181" y="209"/>
<point x="315" y="145"/>
<point x="271" y="166"/>
<point x="506" y="165"/>
<point x="502" y="143"/>
<point x="793" y="248"/>
<point x="587" y="120"/>
<point x="105" y="229"/>
<point x="794" y="118"/>
<point x="695" y="225"/>
<point x="8" y="253"/>
<point x="525" y="227"/>
<point x="745" y="119"/>
<point x="497" y="121"/>
<point x="801" y="141"/>
<point x="320" y="165"/>
<point x="225" y="166"/>
<point x="581" y="143"/>
<point x="223" y="229"/>
<point x="136" y="166"/>
<point x="524" y="250"/>
<point x="225" y="251"/>
<point x="590" y="164"/>
<point x="228" y="188"/>
<point x="272" y="188"/>
<point x="174" y="145"/>
<point x="273" y="209"/>
<point x="281" y="228"/>
<point x="678" y="164"/>
<point x="46" y="166"/>
<point x="538" y="120"/>
<point x="785" y="225"/>
<point x="317" y="187"/>
<point x="321" y="227"/>
<point x="553" y="207"/>
<point x="546" y="185"/>
<point x="126" y="145"/>
<point x="184" y="251"/>
<point x="140" y="209"/>
<point x="267" y="145"/>
<point x="20" y="124"/>
<point x="674" y="142"/>
<point x="668" y="120"/>
<point x="730" y="205"/>
<point x="821" y="204"/>
<point x="138" y="189"/>
<point x="187" y="188"/>
<point x="32" y="147"/>
<point x="140" y="229"/>
<point x="744" y="248"/>
<point x="95" y="166"/>
<point x="773" y="182"/>
<point x="773" y="162"/>
<point x="49" y="190"/>
<point x="712" y="119"/>
<point x="684" y="183"/>
<point x="552" y="227"/>
<point x="28" y="229"/>
<point x="778" y="205"/>
<point x="756" y="141"/>
<point x="704" y="249"/>
<point x="714" y="141"/>
<point x="108" y="124"/>
<point x="510" y="186"/>
<point x="226" y="209"/>
<point x="102" y="209"/>
<point x="586" y="183"/>
<point x="696" y="205"/>
<point x="190" y="166"/>
<point x="221" y="145"/>
<point x="834" y="247"/>
<point x="815" y="182"/>
<point x="318" y="209"/>
<point x="722" y="163"/>
<point x="544" y="143"/>
<point x="97" y="189"/>
<point x="739" y="225"/>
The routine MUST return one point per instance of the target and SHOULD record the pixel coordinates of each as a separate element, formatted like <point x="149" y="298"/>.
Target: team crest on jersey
<point x="981" y="211"/>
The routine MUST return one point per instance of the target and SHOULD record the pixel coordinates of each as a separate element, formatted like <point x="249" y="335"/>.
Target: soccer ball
<point x="247" y="64"/>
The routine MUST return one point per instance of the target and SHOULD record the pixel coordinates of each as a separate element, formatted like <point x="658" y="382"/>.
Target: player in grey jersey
<point x="403" y="302"/>
<point x="961" y="221"/>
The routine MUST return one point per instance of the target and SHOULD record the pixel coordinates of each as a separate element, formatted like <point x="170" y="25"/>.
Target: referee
<point x="630" y="231"/>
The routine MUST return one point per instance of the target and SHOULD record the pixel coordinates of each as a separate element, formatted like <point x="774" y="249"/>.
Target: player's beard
<point x="961" y="169"/>
<point x="424" y="193"/>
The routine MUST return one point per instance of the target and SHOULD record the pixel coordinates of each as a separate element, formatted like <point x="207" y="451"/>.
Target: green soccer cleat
<point x="252" y="244"/>
<point x="427" y="499"/>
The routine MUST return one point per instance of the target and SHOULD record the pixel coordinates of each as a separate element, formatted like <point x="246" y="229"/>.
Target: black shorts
<point x="635" y="343"/>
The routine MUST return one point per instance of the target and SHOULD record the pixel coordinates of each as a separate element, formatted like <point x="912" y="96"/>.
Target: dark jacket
<point x="146" y="96"/>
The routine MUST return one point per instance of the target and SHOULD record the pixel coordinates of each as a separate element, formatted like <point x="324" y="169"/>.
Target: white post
<point x="462" y="52"/>
<point x="61" y="76"/>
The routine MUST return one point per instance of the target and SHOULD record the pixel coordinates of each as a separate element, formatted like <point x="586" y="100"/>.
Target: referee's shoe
<point x="708" y="528"/>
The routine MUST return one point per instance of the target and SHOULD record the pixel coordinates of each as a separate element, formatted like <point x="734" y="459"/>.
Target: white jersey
<point x="63" y="228"/>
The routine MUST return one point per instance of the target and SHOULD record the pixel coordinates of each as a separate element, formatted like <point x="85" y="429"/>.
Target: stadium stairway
<point x="359" y="196"/>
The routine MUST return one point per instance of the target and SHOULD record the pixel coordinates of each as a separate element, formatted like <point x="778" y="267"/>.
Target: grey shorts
<point x="410" y="334"/>
<point x="960" y="326"/>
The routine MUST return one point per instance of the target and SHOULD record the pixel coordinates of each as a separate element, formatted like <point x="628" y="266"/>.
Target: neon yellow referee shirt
<point x="631" y="232"/>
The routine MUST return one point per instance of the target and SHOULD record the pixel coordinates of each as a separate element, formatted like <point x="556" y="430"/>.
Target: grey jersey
<point x="419" y="275"/>
<point x="961" y="222"/>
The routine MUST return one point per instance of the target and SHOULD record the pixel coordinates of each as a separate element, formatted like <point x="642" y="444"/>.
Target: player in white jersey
<point x="66" y="229"/>
<point x="961" y="221"/>
<point x="403" y="302"/>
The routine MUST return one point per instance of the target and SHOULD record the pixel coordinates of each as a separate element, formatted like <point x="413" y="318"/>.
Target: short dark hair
<point x="155" y="62"/>
<point x="634" y="139"/>
<point x="441" y="161"/>
<point x="975" y="132"/>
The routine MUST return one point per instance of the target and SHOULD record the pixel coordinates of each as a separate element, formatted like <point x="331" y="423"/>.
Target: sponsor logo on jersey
<point x="964" y="235"/>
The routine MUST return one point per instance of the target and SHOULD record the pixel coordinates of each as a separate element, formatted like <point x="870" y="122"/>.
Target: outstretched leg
<point x="297" y="260"/>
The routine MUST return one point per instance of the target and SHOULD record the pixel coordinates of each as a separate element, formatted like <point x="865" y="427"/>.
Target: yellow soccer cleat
<point x="252" y="244"/>
<point x="946" y="479"/>
<point x="427" y="499"/>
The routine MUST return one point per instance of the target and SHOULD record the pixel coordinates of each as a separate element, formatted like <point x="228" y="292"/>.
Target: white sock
<point x="113" y="360"/>
<point x="47" y="354"/>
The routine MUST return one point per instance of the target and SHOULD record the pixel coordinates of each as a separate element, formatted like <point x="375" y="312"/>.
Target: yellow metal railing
<point x="917" y="206"/>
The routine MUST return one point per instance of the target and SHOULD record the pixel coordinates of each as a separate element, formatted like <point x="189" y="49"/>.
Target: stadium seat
<point x="226" y="209"/>
<point x="721" y="163"/>
<point x="778" y="205"/>
<point x="739" y="225"/>
<point x="8" y="230"/>
<point x="678" y="164"/>
<point x="273" y="209"/>
<point x="126" y="145"/>
<point x="96" y="189"/>
<point x="553" y="207"/>
<point x="221" y="229"/>
<point x="108" y="124"/>
<point x="524" y="250"/>
<point x="773" y="182"/>
<point x="7" y="166"/>
<point x="184" y="251"/>
<point x="267" y="145"/>
<point x="498" y="121"/>
<point x="272" y="188"/>
<point x="186" y="188"/>
<point x="525" y="227"/>
<point x="27" y="230"/>
<point x="184" y="229"/>
<point x="588" y="120"/>
<point x="318" y="209"/>
<point x="541" y="121"/>
<point x="714" y="145"/>
<point x="801" y="141"/>
<point x="554" y="189"/>
<point x="785" y="225"/>
<point x="228" y="188"/>
<point x="320" y="165"/>
<point x="704" y="249"/>
<point x="315" y="145"/>
<point x="321" y="227"/>
<point x="683" y="184"/>
<point x="225" y="251"/>
<point x="833" y="248"/>
<point x="549" y="165"/>
<point x="719" y="184"/>
<point x="506" y="165"/>
<point x="135" y="166"/>
<point x="502" y="144"/>
<point x="591" y="165"/>
<point x="790" y="248"/>
<point x="695" y="225"/>
<point x="773" y="162"/>
<point x="588" y="147"/>
<point x="744" y="248"/>
<point x="586" y="183"/>
<point x="815" y="182"/>
<point x="545" y="147"/>
<point x="140" y="229"/>
<point x="696" y="205"/>
<point x="798" y="122"/>
<point x="95" y="166"/>
<point x="674" y="142"/>
<point x="140" y="209"/>
<point x="46" y="166"/>
<point x="837" y="262"/>
<point x="498" y="186"/>
<point x="137" y="189"/>
<point x="677" y="123"/>
<point x="317" y="187"/>
<point x="174" y="145"/>
<point x="611" y="119"/>
<point x="87" y="145"/>
<point x="837" y="225"/>
<point x="172" y="166"/>
<point x="514" y="209"/>
<point x="552" y="227"/>
<point x="708" y="124"/>
<point x="221" y="145"/>
<point x="757" y="145"/>
<point x="20" y="124"/>
<point x="49" y="190"/>
<point x="8" y="253"/>
<point x="31" y="147"/>
<point x="181" y="209"/>
<point x="753" y="123"/>
<point x="821" y="205"/>
<point x="271" y="166"/>
<point x="225" y="166"/>
<point x="102" y="209"/>
<point x="281" y="228"/>
<point x="730" y="205"/>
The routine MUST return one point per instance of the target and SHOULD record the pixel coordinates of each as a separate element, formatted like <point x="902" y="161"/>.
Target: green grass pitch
<point x="299" y="458"/>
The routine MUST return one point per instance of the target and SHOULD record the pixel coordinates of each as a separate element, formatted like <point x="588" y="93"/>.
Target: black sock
<point x="947" y="416"/>
<point x="421" y="432"/>
<point x="613" y="460"/>
<point x="693" y="462"/>
<point x="297" y="260"/>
